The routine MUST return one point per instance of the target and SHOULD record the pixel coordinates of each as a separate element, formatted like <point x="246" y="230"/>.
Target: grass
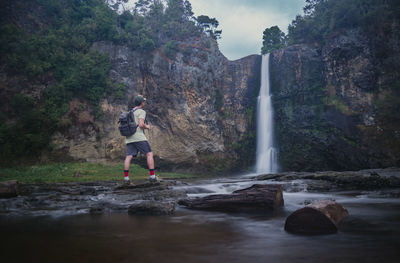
<point x="78" y="172"/>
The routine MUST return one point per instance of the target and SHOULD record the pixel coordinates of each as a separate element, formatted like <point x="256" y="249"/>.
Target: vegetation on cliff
<point x="48" y="44"/>
<point x="336" y="88"/>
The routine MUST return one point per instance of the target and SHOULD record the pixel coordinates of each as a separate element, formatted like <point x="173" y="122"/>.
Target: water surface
<point x="370" y="234"/>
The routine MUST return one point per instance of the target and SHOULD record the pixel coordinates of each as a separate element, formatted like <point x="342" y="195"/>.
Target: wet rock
<point x="370" y="179"/>
<point x="152" y="208"/>
<point x="93" y="197"/>
<point x="9" y="189"/>
<point x="96" y="210"/>
<point x="320" y="217"/>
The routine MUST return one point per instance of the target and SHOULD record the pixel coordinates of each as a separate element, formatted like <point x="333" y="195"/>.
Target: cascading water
<point x="266" y="159"/>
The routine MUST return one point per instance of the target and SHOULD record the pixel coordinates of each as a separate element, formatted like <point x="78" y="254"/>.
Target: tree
<point x="273" y="39"/>
<point x="209" y="26"/>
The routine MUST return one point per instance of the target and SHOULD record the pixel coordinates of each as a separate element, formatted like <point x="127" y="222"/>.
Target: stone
<point x="9" y="189"/>
<point x="152" y="208"/>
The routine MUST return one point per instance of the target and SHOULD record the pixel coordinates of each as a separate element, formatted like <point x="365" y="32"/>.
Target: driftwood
<point x="321" y="217"/>
<point x="9" y="189"/>
<point x="259" y="197"/>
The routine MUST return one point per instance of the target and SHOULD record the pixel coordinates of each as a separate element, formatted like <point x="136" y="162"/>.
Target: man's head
<point x="139" y="100"/>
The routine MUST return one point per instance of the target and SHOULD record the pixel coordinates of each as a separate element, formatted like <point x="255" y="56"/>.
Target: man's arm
<point x="143" y="125"/>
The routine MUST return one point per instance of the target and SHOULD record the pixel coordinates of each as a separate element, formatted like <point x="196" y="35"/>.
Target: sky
<point x="243" y="21"/>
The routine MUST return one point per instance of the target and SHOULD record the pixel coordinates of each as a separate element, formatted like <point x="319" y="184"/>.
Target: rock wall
<point x="334" y="105"/>
<point x="199" y="104"/>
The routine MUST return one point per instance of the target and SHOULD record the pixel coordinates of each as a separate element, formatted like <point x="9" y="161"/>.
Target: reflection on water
<point x="370" y="234"/>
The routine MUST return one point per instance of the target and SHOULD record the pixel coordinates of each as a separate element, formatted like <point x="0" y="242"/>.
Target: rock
<point x="208" y="107"/>
<point x="94" y="198"/>
<point x="97" y="210"/>
<point x="320" y="217"/>
<point x="369" y="179"/>
<point x="259" y="197"/>
<point x="152" y="208"/>
<point x="328" y="102"/>
<point x="9" y="189"/>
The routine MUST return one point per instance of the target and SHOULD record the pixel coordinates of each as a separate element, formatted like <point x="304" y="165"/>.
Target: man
<point x="138" y="141"/>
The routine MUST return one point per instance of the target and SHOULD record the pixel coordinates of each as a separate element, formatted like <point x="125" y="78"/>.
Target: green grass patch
<point x="78" y="172"/>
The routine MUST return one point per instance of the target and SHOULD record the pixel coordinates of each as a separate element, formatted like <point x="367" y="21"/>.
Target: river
<point x="371" y="233"/>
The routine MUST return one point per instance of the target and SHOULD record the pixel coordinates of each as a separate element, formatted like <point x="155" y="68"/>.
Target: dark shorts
<point x="134" y="147"/>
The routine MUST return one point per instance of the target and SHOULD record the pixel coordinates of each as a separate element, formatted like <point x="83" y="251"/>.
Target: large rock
<point x="9" y="189"/>
<point x="152" y="208"/>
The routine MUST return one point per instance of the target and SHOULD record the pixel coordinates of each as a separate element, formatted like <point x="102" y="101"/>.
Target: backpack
<point x="127" y="125"/>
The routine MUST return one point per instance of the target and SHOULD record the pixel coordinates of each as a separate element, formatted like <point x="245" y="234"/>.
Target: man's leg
<point x="150" y="160"/>
<point x="150" y="165"/>
<point x="127" y="164"/>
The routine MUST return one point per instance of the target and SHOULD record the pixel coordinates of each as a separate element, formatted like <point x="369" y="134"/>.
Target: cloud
<point x="243" y="22"/>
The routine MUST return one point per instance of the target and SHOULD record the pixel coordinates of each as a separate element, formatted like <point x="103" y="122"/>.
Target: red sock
<point x="126" y="173"/>
<point x="152" y="172"/>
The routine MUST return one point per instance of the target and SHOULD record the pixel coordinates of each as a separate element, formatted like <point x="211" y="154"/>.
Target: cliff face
<point x="336" y="106"/>
<point x="199" y="104"/>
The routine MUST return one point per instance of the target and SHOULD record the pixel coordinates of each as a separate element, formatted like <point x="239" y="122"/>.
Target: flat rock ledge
<point x="257" y="198"/>
<point x="92" y="197"/>
<point x="370" y="179"/>
<point x="320" y="217"/>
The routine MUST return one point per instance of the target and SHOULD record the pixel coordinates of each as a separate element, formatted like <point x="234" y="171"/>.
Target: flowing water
<point x="370" y="234"/>
<point x="266" y="160"/>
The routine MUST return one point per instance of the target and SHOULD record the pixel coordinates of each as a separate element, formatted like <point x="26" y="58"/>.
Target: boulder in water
<point x="9" y="189"/>
<point x="152" y="208"/>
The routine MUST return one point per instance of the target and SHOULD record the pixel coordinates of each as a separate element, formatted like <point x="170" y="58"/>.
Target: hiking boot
<point x="127" y="182"/>
<point x="155" y="179"/>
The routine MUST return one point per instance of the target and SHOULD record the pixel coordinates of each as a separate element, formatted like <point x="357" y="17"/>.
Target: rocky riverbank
<point x="94" y="198"/>
<point x="160" y="198"/>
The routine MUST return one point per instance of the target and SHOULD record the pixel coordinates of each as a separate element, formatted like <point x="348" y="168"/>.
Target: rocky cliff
<point x="336" y="105"/>
<point x="200" y="105"/>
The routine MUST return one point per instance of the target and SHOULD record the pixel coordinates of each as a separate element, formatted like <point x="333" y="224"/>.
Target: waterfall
<point x="266" y="159"/>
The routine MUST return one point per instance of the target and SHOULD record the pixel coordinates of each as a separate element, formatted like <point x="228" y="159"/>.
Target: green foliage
<point x="54" y="50"/>
<point x="24" y="137"/>
<point x="170" y="49"/>
<point x="389" y="108"/>
<point x="338" y="104"/>
<point x="273" y="39"/>
<point x="324" y="17"/>
<point x="209" y="26"/>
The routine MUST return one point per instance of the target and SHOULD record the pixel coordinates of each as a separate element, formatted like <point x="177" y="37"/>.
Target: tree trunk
<point x="259" y="197"/>
<point x="321" y="217"/>
<point x="9" y="189"/>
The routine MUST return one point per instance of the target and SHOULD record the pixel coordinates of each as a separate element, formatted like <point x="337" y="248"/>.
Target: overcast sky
<point x="243" y="21"/>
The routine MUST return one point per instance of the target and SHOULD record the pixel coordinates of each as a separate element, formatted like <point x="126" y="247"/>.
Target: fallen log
<point x="9" y="189"/>
<point x="259" y="197"/>
<point x="321" y="217"/>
